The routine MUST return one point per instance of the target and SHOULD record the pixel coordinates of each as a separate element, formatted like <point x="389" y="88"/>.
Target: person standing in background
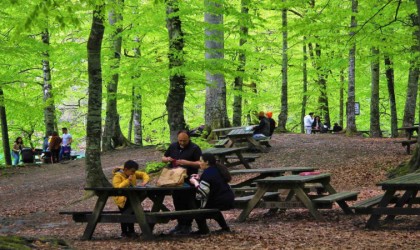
<point x="66" y="143"/>
<point x="17" y="148"/>
<point x="54" y="146"/>
<point x="307" y="122"/>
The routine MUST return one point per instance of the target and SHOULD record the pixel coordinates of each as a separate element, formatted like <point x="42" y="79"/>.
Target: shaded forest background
<point x="289" y="57"/>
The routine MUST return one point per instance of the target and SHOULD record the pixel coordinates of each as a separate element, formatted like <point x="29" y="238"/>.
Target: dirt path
<point x="31" y="198"/>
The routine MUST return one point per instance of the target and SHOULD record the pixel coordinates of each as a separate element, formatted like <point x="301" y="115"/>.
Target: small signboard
<point x="356" y="108"/>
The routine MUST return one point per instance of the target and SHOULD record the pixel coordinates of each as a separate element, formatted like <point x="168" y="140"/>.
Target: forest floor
<point x="32" y="196"/>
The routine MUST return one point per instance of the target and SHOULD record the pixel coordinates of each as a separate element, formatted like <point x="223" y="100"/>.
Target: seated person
<point x="337" y="128"/>
<point x="127" y="177"/>
<point x="213" y="190"/>
<point x="262" y="130"/>
<point x="272" y="122"/>
<point x="317" y="124"/>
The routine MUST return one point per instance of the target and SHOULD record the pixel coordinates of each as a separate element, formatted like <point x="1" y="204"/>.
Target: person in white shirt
<point x="307" y="122"/>
<point x="66" y="143"/>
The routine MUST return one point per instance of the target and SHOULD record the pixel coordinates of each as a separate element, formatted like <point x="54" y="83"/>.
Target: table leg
<point x="303" y="197"/>
<point x="402" y="201"/>
<point x="251" y="140"/>
<point x="93" y="221"/>
<point x="373" y="221"/>
<point x="140" y="216"/>
<point x="252" y="203"/>
<point x="242" y="160"/>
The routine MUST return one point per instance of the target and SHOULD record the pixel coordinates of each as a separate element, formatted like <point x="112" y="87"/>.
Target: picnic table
<point x="135" y="195"/>
<point x="267" y="172"/>
<point x="242" y="134"/>
<point x="220" y="132"/>
<point x="409" y="185"/>
<point x="409" y="131"/>
<point x="222" y="153"/>
<point x="296" y="186"/>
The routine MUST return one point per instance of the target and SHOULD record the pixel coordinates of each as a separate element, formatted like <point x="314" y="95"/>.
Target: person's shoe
<point x="223" y="230"/>
<point x="185" y="230"/>
<point x="175" y="230"/>
<point x="200" y="232"/>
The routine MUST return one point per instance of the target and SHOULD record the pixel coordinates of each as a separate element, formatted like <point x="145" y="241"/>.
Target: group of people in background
<point x="266" y="126"/>
<point x="54" y="147"/>
<point x="312" y="123"/>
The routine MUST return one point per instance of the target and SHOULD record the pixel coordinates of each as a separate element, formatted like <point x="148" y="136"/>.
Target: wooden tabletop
<point x="402" y="182"/>
<point x="295" y="179"/>
<point x="226" y="129"/>
<point x="271" y="170"/>
<point x="240" y="132"/>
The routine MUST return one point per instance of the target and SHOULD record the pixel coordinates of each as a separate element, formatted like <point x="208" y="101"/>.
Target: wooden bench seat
<point x="240" y="202"/>
<point x="151" y="217"/>
<point x="222" y="143"/>
<point x="341" y="196"/>
<point x="407" y="143"/>
<point x="365" y="206"/>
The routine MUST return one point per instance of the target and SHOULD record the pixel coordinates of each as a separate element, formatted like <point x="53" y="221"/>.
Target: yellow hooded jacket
<point x="120" y="180"/>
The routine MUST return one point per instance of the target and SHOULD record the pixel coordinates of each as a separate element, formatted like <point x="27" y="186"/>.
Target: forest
<point x="123" y="72"/>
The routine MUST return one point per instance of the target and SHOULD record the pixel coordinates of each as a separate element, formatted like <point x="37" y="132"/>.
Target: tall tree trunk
<point x="413" y="165"/>
<point x="413" y="80"/>
<point x="341" y="102"/>
<point x="137" y="104"/>
<point x="238" y="83"/>
<point x="351" y="93"/>
<point x="389" y="72"/>
<point x="4" y="130"/>
<point x="113" y="136"/>
<point x="315" y="55"/>
<point x="375" y="128"/>
<point x="216" y="112"/>
<point x="49" y="107"/>
<point x="284" y="94"/>
<point x="305" y="85"/>
<point x="94" y="175"/>
<point x="176" y="95"/>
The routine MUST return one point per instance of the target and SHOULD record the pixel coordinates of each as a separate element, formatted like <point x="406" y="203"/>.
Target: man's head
<point x="130" y="167"/>
<point x="64" y="130"/>
<point x="311" y="114"/>
<point x="261" y="114"/>
<point x="183" y="138"/>
<point x="269" y="114"/>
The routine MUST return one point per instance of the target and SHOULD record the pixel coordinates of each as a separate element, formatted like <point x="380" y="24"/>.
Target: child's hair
<point x="130" y="164"/>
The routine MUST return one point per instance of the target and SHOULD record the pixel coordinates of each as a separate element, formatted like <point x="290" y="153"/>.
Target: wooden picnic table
<point x="409" y="185"/>
<point x="267" y="172"/>
<point x="243" y="134"/>
<point x="135" y="195"/>
<point x="296" y="186"/>
<point x="221" y="153"/>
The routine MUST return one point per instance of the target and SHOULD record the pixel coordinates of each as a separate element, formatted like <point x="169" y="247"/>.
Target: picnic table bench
<point x="409" y="186"/>
<point x="158" y="214"/>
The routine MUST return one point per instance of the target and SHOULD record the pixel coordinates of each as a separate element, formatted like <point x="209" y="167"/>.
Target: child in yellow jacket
<point x="124" y="177"/>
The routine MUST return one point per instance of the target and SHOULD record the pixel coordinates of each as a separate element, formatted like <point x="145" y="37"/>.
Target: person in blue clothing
<point x="213" y="190"/>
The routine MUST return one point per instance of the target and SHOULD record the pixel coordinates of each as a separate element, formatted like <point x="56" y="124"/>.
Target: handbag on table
<point x="172" y="177"/>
